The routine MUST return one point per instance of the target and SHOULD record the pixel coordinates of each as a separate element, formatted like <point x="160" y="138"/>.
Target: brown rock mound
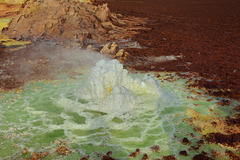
<point x="61" y="20"/>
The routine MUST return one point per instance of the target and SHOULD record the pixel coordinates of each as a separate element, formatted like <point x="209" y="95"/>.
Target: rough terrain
<point x="205" y="36"/>
<point x="67" y="21"/>
<point x="68" y="24"/>
<point x="199" y="37"/>
<point x="206" y="33"/>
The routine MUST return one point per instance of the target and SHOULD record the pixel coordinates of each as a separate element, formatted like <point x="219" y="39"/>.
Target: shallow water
<point x="102" y="109"/>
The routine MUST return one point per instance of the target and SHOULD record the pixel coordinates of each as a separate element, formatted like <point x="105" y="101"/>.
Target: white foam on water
<point x="108" y="74"/>
<point x="110" y="93"/>
<point x="104" y="108"/>
<point x="114" y="90"/>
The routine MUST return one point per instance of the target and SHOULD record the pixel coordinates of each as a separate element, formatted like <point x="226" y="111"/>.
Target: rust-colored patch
<point x="183" y="153"/>
<point x="202" y="156"/>
<point x="107" y="156"/>
<point x="134" y="154"/>
<point x="145" y="157"/>
<point x="185" y="141"/>
<point x="38" y="155"/>
<point x="155" y="148"/>
<point x="63" y="150"/>
<point x="216" y="154"/>
<point x="170" y="157"/>
<point x="85" y="157"/>
<point x="231" y="155"/>
<point x="231" y="140"/>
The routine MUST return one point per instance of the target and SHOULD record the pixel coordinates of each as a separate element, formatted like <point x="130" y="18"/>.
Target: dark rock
<point x="185" y="141"/>
<point x="201" y="156"/>
<point x="171" y="157"/>
<point x="227" y="140"/>
<point x="231" y="155"/>
<point x="155" y="148"/>
<point x="145" y="157"/>
<point x="183" y="153"/>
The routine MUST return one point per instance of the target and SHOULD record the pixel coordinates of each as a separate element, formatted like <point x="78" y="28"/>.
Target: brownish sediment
<point x="202" y="156"/>
<point x="230" y="140"/>
<point x="231" y="155"/>
<point x="205" y="32"/>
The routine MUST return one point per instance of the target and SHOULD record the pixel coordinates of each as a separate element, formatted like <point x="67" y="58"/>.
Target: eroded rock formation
<point x="62" y="20"/>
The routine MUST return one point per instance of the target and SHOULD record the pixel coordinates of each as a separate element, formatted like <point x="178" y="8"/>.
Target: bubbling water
<point x="127" y="109"/>
<point x="115" y="91"/>
<point x="105" y="109"/>
<point x="119" y="100"/>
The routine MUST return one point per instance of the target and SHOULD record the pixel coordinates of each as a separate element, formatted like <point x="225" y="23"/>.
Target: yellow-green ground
<point x="5" y="40"/>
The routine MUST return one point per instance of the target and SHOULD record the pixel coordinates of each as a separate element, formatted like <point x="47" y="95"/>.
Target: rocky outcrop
<point x="61" y="20"/>
<point x="113" y="51"/>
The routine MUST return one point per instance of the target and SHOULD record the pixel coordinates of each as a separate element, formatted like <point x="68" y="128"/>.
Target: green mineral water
<point x="100" y="110"/>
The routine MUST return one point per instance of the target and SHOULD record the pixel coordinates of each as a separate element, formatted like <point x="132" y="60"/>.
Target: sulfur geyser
<point x="118" y="93"/>
<point x="111" y="91"/>
<point x="106" y="109"/>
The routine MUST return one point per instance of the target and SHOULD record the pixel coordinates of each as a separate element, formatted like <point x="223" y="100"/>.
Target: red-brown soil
<point x="205" y="32"/>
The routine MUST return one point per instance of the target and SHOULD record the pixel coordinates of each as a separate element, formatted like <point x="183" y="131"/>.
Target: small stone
<point x="138" y="150"/>
<point x="171" y="157"/>
<point x="134" y="154"/>
<point x="63" y="150"/>
<point x="155" y="148"/>
<point x="183" y="153"/>
<point x="113" y="48"/>
<point x="91" y="48"/>
<point x="145" y="157"/>
<point x="202" y="155"/>
<point x="109" y="49"/>
<point x="185" y="141"/>
<point x="85" y="157"/>
<point x="200" y="142"/>
<point x="120" y="53"/>
<point x="109" y="153"/>
<point x="25" y="150"/>
<point x="105" y="157"/>
<point x="108" y="25"/>
<point x="105" y="49"/>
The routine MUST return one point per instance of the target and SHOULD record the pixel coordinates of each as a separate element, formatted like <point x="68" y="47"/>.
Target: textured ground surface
<point x="206" y="33"/>
<point x="55" y="22"/>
